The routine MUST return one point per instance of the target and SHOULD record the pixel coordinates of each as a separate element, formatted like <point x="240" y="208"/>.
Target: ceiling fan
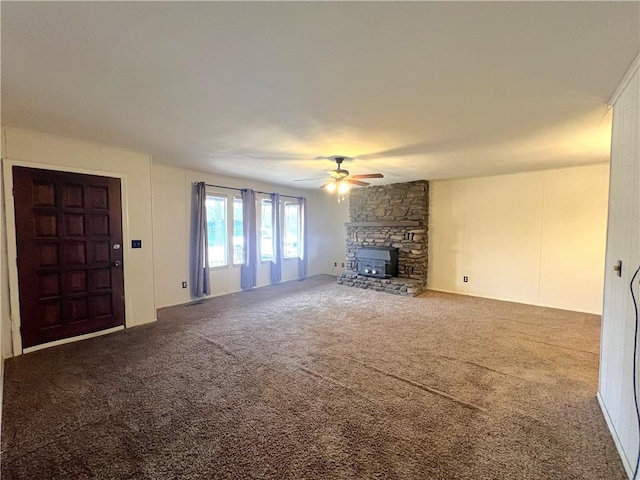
<point x="341" y="179"/>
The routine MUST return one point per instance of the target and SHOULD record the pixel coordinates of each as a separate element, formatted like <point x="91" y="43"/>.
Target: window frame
<point x="216" y="194"/>
<point x="232" y="233"/>
<point x="261" y="202"/>
<point x="284" y="230"/>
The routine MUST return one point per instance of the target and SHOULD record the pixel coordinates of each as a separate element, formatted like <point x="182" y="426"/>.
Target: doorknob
<point x="117" y="263"/>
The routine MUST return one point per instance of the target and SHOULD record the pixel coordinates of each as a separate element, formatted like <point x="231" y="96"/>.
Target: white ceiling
<point x="415" y="90"/>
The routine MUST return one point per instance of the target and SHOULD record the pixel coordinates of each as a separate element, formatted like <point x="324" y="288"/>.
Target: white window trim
<point x="233" y="199"/>
<point x="259" y="220"/>
<point x="284" y="229"/>
<point x="217" y="193"/>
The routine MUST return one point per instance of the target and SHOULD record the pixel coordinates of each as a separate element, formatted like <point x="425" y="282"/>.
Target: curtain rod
<point x="240" y="189"/>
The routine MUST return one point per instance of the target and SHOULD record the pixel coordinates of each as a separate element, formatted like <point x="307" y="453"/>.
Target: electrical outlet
<point x="335" y="264"/>
<point x="465" y="279"/>
<point x="342" y="264"/>
<point x="184" y="284"/>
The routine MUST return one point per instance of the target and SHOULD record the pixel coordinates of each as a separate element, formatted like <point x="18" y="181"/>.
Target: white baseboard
<point x="510" y="300"/>
<point x="448" y="291"/>
<point x="239" y="290"/>
<point x="73" y="339"/>
<point x="607" y="418"/>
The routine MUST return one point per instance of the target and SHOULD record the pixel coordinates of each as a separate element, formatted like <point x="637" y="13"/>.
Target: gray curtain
<point x="249" y="268"/>
<point x="304" y="252"/>
<point x="199" y="243"/>
<point x="276" y="259"/>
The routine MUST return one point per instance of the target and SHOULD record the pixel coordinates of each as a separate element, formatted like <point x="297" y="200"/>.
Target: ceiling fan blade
<point x="308" y="179"/>
<point x="357" y="182"/>
<point x="325" y="184"/>
<point x="368" y="175"/>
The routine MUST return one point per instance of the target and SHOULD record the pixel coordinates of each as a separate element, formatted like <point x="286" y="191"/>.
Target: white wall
<point x="535" y="238"/>
<point x="39" y="150"/>
<point x="155" y="272"/>
<point x="329" y="233"/>
<point x="172" y="190"/>
<point x="623" y="243"/>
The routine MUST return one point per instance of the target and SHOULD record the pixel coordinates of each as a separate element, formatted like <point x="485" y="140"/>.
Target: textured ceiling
<point x="415" y="90"/>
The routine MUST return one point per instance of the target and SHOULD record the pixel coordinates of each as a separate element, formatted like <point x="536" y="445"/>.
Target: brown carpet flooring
<point x="312" y="380"/>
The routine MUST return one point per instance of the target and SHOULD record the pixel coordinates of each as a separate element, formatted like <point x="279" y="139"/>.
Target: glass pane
<point x="291" y="230"/>
<point x="266" y="246"/>
<point x="217" y="230"/>
<point x="238" y="240"/>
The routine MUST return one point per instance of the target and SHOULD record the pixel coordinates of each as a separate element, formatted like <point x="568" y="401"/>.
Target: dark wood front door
<point x="69" y="243"/>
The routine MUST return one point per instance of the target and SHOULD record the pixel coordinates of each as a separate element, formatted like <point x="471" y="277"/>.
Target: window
<point x="225" y="229"/>
<point x="291" y="230"/>
<point x="266" y="231"/>
<point x="217" y="230"/>
<point x="238" y="239"/>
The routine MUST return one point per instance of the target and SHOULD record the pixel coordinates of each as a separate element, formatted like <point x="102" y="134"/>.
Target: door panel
<point x="66" y="226"/>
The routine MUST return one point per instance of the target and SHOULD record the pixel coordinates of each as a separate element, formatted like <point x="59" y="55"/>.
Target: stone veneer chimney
<point x="390" y="216"/>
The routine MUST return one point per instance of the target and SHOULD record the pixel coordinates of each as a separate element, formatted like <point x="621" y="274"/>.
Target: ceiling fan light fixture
<point x="341" y="180"/>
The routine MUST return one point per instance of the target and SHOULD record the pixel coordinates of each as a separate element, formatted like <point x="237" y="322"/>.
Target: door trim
<point x="12" y="253"/>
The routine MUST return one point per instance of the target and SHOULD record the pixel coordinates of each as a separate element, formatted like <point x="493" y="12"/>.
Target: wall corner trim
<point x="614" y="434"/>
<point x="626" y="78"/>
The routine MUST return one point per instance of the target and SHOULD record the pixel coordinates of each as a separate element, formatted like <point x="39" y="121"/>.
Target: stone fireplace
<point x="389" y="216"/>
